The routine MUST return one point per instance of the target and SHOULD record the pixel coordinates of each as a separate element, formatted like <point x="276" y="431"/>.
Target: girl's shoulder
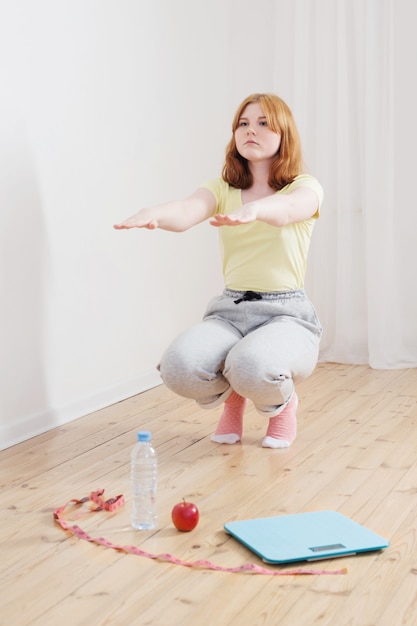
<point x="305" y="180"/>
<point x="216" y="184"/>
<point x="219" y="188"/>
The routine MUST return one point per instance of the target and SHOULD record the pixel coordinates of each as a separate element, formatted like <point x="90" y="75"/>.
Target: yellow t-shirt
<point x="260" y="257"/>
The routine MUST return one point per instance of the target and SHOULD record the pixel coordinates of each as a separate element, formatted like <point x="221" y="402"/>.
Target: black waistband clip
<point x="249" y="296"/>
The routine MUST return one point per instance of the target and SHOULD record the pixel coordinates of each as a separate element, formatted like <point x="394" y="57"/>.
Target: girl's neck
<point x="260" y="175"/>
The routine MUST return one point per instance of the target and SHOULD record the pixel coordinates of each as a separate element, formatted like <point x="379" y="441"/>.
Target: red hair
<point x="288" y="161"/>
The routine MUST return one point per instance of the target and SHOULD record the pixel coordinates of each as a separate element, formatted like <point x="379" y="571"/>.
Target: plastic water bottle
<point x="144" y="479"/>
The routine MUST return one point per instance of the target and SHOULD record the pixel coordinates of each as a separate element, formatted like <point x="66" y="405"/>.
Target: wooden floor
<point x="356" y="453"/>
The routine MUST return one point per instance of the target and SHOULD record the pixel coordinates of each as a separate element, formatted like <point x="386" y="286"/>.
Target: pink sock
<point x="229" y="428"/>
<point x="282" y="428"/>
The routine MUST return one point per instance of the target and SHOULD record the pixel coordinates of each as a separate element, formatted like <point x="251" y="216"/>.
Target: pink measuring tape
<point x="112" y="504"/>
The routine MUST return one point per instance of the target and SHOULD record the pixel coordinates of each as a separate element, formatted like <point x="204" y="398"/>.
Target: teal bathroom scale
<point x="305" y="536"/>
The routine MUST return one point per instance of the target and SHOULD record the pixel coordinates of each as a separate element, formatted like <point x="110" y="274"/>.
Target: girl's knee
<point x="259" y="381"/>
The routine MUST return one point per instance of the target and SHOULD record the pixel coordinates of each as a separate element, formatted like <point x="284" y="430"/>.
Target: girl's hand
<point x="142" y="219"/>
<point x="244" y="215"/>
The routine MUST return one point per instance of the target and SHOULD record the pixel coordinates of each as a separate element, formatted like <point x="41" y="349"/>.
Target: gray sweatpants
<point x="258" y="347"/>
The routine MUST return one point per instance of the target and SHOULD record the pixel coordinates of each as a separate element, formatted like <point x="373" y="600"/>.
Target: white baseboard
<point x="31" y="425"/>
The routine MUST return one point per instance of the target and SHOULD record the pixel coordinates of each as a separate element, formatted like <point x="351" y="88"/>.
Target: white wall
<point x="107" y="106"/>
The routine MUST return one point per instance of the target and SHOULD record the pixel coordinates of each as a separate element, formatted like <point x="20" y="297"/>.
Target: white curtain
<point x="338" y="65"/>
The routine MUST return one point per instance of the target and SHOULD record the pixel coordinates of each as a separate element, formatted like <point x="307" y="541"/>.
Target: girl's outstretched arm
<point x="276" y="210"/>
<point x="175" y="216"/>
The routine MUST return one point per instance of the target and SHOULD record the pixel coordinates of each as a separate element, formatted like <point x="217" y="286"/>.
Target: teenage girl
<point x="262" y="334"/>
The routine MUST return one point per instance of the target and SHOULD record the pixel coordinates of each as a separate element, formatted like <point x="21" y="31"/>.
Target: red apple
<point x="185" y="516"/>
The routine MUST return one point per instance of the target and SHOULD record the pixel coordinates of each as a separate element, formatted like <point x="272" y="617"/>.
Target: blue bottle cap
<point x="144" y="435"/>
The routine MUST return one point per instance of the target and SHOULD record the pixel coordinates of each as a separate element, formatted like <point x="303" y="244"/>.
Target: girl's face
<point x="255" y="141"/>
